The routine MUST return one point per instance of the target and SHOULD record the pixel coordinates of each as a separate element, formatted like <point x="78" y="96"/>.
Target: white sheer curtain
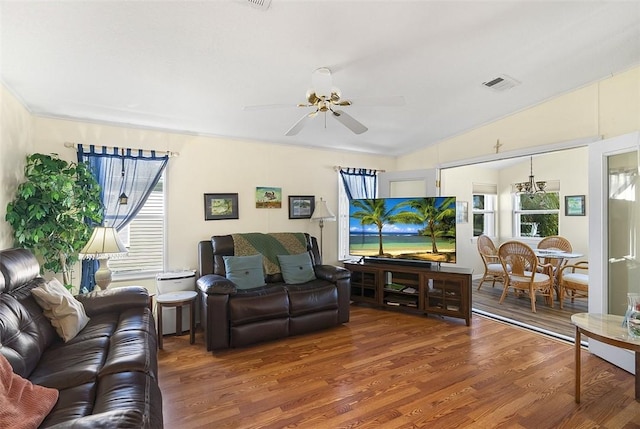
<point x="353" y="183"/>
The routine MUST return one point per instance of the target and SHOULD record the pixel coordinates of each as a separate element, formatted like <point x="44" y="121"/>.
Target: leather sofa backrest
<point x="24" y="330"/>
<point x="210" y="253"/>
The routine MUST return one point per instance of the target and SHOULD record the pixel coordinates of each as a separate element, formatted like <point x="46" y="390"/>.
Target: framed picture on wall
<point x="574" y="205"/>
<point x="220" y="206"/>
<point x="268" y="197"/>
<point x="301" y="206"/>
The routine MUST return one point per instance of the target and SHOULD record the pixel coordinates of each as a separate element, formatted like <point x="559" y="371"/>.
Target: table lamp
<point x="103" y="245"/>
<point x="321" y="214"/>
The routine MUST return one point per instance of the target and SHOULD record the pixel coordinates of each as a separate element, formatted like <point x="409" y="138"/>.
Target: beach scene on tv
<point x="421" y="229"/>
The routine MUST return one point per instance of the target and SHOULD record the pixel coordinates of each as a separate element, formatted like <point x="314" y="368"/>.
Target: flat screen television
<point x="420" y="229"/>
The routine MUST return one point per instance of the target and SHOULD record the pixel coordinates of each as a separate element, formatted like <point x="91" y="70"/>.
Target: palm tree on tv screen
<point x="374" y="212"/>
<point x="437" y="214"/>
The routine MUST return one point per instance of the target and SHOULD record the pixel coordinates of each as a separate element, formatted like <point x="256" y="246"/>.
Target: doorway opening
<point x="566" y="172"/>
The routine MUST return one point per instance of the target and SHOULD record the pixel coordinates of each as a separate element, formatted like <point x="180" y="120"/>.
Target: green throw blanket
<point x="270" y="246"/>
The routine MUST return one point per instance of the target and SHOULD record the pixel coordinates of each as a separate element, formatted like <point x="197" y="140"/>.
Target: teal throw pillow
<point x="296" y="269"/>
<point x="245" y="271"/>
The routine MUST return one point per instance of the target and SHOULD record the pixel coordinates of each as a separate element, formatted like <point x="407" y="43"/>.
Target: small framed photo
<point x="301" y="206"/>
<point x="574" y="205"/>
<point x="220" y="206"/>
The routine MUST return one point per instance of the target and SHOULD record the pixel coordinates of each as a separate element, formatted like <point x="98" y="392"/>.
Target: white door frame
<point x="598" y="239"/>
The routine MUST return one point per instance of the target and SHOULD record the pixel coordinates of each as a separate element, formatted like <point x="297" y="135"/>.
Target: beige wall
<point x="15" y="145"/>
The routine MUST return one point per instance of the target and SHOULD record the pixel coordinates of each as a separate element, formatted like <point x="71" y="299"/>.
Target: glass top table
<point x="608" y="329"/>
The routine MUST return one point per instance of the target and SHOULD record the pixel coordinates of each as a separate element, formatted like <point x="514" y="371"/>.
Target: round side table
<point x="177" y="300"/>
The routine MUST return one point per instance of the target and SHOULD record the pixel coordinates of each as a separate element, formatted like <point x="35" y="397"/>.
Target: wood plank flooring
<point x="394" y="370"/>
<point x="519" y="308"/>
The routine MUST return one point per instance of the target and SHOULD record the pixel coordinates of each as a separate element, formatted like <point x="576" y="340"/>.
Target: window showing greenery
<point x="536" y="215"/>
<point x="484" y="214"/>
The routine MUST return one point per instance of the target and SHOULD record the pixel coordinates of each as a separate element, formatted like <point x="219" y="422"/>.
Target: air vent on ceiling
<point x="501" y="83"/>
<point x="260" y="4"/>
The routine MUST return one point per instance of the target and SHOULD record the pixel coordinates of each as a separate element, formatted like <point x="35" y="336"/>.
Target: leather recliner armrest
<point x="331" y="273"/>
<point x="216" y="284"/>
<point x="116" y="299"/>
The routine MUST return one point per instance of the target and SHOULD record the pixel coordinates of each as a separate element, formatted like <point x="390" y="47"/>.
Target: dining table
<point x="561" y="257"/>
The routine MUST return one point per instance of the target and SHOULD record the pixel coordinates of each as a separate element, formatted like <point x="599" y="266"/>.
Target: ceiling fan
<point x="327" y="99"/>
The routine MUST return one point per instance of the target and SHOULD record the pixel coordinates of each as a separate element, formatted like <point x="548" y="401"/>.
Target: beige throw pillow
<point x="64" y="311"/>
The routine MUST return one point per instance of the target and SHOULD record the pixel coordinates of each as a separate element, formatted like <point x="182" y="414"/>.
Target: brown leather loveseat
<point x="107" y="375"/>
<point x="235" y="317"/>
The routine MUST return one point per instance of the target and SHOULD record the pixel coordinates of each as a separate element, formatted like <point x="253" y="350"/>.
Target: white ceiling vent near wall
<point x="501" y="83"/>
<point x="260" y="4"/>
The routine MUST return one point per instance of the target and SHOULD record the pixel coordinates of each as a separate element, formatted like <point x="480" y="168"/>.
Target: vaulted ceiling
<point x="194" y="66"/>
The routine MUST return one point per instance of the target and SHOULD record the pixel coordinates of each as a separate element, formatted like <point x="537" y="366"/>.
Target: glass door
<point x="614" y="233"/>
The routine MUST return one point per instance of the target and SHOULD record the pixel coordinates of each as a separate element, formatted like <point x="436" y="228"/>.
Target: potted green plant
<point x="52" y="209"/>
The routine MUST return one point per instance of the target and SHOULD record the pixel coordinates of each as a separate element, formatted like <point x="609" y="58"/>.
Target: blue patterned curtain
<point x="360" y="183"/>
<point x="118" y="171"/>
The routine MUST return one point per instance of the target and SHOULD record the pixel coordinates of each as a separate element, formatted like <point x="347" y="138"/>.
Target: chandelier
<point x="531" y="187"/>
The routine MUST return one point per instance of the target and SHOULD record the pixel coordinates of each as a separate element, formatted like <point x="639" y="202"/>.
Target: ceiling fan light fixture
<point x="312" y="98"/>
<point x="335" y="95"/>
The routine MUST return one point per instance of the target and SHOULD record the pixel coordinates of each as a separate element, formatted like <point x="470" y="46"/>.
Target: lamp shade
<point x="103" y="244"/>
<point x="322" y="212"/>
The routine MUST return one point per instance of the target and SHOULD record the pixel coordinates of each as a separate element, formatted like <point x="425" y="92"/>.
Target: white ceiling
<point x="192" y="66"/>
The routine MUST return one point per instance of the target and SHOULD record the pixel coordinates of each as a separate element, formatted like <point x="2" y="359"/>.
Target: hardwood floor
<point x="394" y="370"/>
<point x="519" y="308"/>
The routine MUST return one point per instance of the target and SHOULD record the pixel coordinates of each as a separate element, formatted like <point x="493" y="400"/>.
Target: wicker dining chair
<point x="573" y="279"/>
<point x="555" y="242"/>
<point x="493" y="270"/>
<point x="524" y="275"/>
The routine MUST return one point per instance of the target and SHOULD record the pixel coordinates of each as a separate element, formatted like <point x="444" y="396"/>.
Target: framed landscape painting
<point x="574" y="205"/>
<point x="301" y="206"/>
<point x="268" y="197"/>
<point x="220" y="206"/>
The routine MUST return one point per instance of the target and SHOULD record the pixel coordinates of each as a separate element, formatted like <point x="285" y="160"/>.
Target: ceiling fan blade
<point x="300" y="124"/>
<point x="349" y="122"/>
<point x="322" y="81"/>
<point x="380" y="101"/>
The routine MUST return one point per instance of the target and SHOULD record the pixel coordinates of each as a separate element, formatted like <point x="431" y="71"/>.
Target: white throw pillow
<point x="66" y="313"/>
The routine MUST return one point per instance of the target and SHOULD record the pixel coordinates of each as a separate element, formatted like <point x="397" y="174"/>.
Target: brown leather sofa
<point x="234" y="317"/>
<point x="107" y="375"/>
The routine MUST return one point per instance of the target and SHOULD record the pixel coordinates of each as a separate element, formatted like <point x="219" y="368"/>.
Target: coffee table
<point x="606" y="328"/>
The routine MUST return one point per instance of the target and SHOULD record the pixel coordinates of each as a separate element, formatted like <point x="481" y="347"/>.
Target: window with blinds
<point x="485" y="202"/>
<point x="144" y="237"/>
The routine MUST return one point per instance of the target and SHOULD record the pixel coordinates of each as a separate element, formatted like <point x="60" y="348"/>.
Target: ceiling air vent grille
<point x="501" y="83"/>
<point x="260" y="4"/>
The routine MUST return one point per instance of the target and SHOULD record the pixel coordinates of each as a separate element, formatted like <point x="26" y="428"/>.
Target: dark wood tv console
<point x="436" y="290"/>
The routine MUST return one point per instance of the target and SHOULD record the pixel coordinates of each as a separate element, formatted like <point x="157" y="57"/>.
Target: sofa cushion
<point x="272" y="304"/>
<point x="296" y="269"/>
<point x="313" y="297"/>
<point x="64" y="365"/>
<point x="65" y="312"/>
<point x="22" y="404"/>
<point x="245" y="271"/>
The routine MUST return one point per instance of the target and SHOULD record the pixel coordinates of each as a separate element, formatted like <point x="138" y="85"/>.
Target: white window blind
<point x="144" y="237"/>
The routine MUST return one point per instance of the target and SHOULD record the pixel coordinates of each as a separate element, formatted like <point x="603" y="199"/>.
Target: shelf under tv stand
<point x="445" y="291"/>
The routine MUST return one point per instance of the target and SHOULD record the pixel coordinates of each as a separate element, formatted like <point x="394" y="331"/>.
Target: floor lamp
<point x="322" y="213"/>
<point x="103" y="245"/>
